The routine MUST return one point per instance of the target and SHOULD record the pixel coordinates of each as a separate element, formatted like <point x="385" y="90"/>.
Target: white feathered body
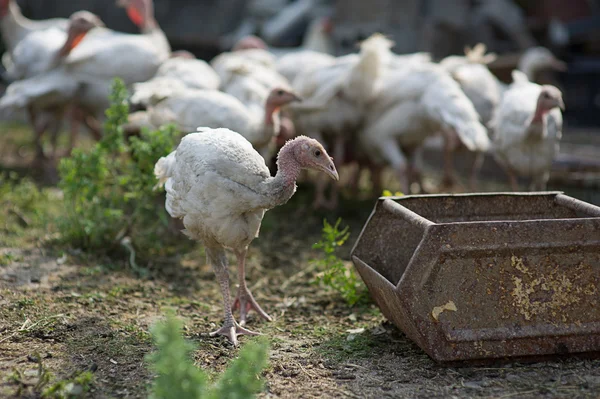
<point x="403" y="60"/>
<point x="249" y="75"/>
<point x="529" y="155"/>
<point x="481" y="87"/>
<point x="252" y="83"/>
<point x="175" y="76"/>
<point x="416" y="103"/>
<point x="217" y="183"/>
<point x="156" y="89"/>
<point x="15" y="27"/>
<point x="51" y="89"/>
<point x="91" y="66"/>
<point x="210" y="108"/>
<point x="224" y="62"/>
<point x="195" y="73"/>
<point x="106" y="54"/>
<point x="293" y="64"/>
<point x="36" y="53"/>
<point x="335" y="96"/>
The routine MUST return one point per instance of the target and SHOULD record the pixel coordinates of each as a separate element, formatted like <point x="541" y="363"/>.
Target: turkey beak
<point x="330" y="169"/>
<point x="561" y="104"/>
<point x="123" y="3"/>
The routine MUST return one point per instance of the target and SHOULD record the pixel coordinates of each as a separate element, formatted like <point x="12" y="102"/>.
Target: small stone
<point x="30" y="373"/>
<point x="473" y="384"/>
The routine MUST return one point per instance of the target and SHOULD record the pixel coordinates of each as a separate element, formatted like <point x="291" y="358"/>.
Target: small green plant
<point x="74" y="387"/>
<point x="334" y="272"/>
<point x="108" y="190"/>
<point x="23" y="208"/>
<point x="177" y="377"/>
<point x="388" y="193"/>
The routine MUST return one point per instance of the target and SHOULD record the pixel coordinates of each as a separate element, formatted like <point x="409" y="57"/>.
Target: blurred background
<point x="571" y="29"/>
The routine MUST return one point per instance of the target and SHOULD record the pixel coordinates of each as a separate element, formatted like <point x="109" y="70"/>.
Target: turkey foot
<point x="246" y="302"/>
<point x="231" y="330"/>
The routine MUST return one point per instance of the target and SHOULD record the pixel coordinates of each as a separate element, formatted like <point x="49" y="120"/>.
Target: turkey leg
<point x="231" y="329"/>
<point x="512" y="179"/>
<point x="244" y="299"/>
<point x="38" y="127"/>
<point x="451" y="143"/>
<point x="475" y="168"/>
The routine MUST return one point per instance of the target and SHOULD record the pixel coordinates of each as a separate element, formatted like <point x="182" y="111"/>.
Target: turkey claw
<point x="232" y="331"/>
<point x="246" y="302"/>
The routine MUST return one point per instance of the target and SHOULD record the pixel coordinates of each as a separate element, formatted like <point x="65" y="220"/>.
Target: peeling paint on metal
<point x="437" y="310"/>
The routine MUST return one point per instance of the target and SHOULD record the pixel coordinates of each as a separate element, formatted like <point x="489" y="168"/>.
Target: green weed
<point x="177" y="377"/>
<point x="336" y="274"/>
<point x="109" y="200"/>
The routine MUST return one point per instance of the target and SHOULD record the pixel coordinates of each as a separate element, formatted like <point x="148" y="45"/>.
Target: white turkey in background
<point x="416" y="102"/>
<point x="85" y="75"/>
<point x="335" y="98"/>
<point x="16" y="27"/>
<point x="44" y="112"/>
<point x="527" y="130"/>
<point x="486" y="91"/>
<point x="536" y="59"/>
<point x="131" y="57"/>
<point x="43" y="50"/>
<point x="215" y="109"/>
<point x="292" y="64"/>
<point x="174" y="76"/>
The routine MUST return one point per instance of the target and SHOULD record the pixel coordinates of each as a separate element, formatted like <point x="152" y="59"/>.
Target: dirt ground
<point x="70" y="311"/>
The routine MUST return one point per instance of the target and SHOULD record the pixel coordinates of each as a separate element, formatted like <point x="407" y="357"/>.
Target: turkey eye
<point x="317" y="153"/>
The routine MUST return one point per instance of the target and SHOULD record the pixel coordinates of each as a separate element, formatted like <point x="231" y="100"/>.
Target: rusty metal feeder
<point x="484" y="276"/>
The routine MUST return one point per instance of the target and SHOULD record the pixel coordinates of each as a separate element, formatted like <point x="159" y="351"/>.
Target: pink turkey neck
<point x="270" y="110"/>
<point x="538" y="116"/>
<point x="287" y="164"/>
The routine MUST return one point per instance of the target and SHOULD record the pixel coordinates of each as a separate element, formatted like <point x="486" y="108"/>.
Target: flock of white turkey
<point x="374" y="109"/>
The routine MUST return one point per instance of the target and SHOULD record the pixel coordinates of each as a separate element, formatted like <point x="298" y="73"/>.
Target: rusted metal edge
<point x="402" y="212"/>
<point x="362" y="263"/>
<point x="397" y="210"/>
<point x="365" y="227"/>
<point x="493" y="194"/>
<point x="374" y="278"/>
<point x="577" y="205"/>
<point x="532" y="331"/>
<point x="465" y="249"/>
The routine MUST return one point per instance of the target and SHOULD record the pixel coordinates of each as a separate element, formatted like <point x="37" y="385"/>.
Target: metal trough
<point x="483" y="276"/>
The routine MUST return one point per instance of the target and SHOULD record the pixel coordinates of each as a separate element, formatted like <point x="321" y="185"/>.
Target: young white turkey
<point x="85" y="74"/>
<point x="175" y="75"/>
<point x="221" y="187"/>
<point x="214" y="109"/>
<point x="485" y="90"/>
<point x="527" y="130"/>
<point x="14" y="27"/>
<point x="417" y="102"/>
<point x="37" y="53"/>
<point x="293" y="64"/>
<point x="335" y="98"/>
